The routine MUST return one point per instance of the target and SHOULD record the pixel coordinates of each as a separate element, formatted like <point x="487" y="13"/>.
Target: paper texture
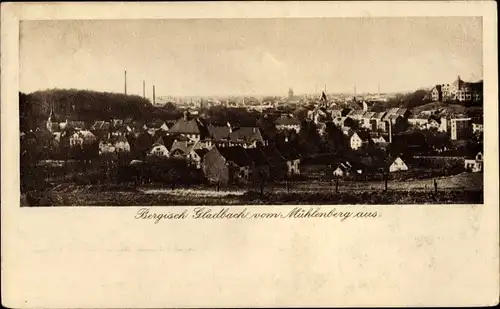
<point x="107" y="257"/>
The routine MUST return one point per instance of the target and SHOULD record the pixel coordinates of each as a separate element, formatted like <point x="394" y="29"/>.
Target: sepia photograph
<point x="251" y="111"/>
<point x="249" y="154"/>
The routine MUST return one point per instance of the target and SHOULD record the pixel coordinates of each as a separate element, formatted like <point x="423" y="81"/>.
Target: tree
<point x="267" y="127"/>
<point x="335" y="139"/>
<point x="309" y="138"/>
<point x="351" y="123"/>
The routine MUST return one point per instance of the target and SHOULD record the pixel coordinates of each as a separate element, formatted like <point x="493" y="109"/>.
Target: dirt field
<point x="462" y="188"/>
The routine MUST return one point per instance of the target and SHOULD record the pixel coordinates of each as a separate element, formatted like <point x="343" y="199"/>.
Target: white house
<point x="477" y="128"/>
<point x="342" y="170"/>
<point x="379" y="139"/>
<point x="106" y="147"/>
<point x="474" y="165"/>
<point x="398" y="165"/>
<point x="357" y="139"/>
<point x="122" y="144"/>
<point x="159" y="150"/>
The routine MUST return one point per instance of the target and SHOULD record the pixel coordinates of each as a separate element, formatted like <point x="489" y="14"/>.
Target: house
<point x="193" y="128"/>
<point x="436" y="93"/>
<point x="335" y="112"/>
<point x="71" y="124"/>
<point x="79" y="138"/>
<point x="376" y="121"/>
<point x="106" y="147"/>
<point x="116" y="123"/>
<point x="339" y="121"/>
<point x="286" y="122"/>
<point x="366" y="120"/>
<point x="247" y="137"/>
<point x="419" y="121"/>
<point x="474" y="165"/>
<point x="181" y="149"/>
<point x="397" y="165"/>
<point x="321" y="128"/>
<point x="220" y="134"/>
<point x="196" y="156"/>
<point x="292" y="158"/>
<point x="460" y="128"/>
<point x="477" y="125"/>
<point x="379" y="139"/>
<point x="227" y="165"/>
<point x="100" y="126"/>
<point x="356" y="114"/>
<point x="122" y="144"/>
<point x="101" y="129"/>
<point x="459" y="90"/>
<point x="343" y="169"/>
<point x="318" y="114"/>
<point x="358" y="139"/>
<point x="159" y="148"/>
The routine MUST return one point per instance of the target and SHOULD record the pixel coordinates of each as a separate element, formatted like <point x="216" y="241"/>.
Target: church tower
<point x="52" y="119"/>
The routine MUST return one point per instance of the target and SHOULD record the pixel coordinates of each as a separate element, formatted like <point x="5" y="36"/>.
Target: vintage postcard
<point x="249" y="154"/>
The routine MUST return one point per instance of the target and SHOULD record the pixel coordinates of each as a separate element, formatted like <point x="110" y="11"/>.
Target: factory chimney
<point x="143" y="89"/>
<point x="125" y="82"/>
<point x="154" y="95"/>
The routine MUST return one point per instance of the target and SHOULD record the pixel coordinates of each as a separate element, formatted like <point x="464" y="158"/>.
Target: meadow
<point x="464" y="188"/>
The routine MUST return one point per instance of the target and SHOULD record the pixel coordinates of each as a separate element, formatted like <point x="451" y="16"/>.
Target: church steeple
<point x="52" y="118"/>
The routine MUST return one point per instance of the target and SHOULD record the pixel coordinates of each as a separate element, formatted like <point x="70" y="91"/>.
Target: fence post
<point x="385" y="180"/>
<point x="336" y="185"/>
<point x="435" y="186"/>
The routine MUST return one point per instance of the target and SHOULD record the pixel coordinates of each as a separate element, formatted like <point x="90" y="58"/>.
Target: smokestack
<point x="125" y="82"/>
<point x="143" y="89"/>
<point x="390" y="130"/>
<point x="154" y="95"/>
<point x="354" y="90"/>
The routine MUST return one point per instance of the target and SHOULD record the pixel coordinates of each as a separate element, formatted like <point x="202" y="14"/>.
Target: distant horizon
<point x="284" y="94"/>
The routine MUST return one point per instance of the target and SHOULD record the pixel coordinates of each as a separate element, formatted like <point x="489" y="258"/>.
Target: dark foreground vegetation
<point x="253" y="197"/>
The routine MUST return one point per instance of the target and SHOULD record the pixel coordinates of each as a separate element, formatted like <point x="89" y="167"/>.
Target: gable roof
<point x="368" y="115"/>
<point x="378" y="116"/>
<point x="183" y="147"/>
<point x="159" y="141"/>
<point x="101" y="125"/>
<point x="257" y="156"/>
<point x="219" y="133"/>
<point x="189" y="126"/>
<point x="236" y="155"/>
<point x="247" y="135"/>
<point x="285" y="120"/>
<point x="363" y="135"/>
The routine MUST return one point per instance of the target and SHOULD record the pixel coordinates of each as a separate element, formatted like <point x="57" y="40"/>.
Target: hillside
<point x="84" y="105"/>
<point x="456" y="109"/>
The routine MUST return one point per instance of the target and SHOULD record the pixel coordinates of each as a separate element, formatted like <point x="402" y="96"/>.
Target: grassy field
<point x="462" y="188"/>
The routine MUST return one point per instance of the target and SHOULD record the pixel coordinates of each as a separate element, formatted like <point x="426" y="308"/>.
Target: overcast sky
<point x="250" y="56"/>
